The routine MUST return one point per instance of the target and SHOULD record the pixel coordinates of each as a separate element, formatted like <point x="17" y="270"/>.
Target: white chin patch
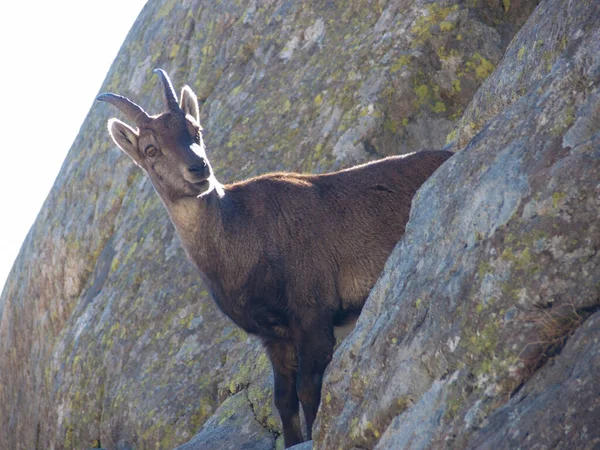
<point x="213" y="186"/>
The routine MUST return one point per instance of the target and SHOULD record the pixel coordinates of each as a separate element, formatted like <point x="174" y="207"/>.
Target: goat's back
<point x="370" y="215"/>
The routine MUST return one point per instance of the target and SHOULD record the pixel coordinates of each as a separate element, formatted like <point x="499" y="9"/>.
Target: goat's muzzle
<point x="197" y="172"/>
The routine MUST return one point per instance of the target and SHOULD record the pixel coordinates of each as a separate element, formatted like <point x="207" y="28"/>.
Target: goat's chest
<point x="256" y="302"/>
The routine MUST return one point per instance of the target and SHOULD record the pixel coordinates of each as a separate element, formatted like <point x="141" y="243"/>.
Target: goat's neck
<point x="198" y="222"/>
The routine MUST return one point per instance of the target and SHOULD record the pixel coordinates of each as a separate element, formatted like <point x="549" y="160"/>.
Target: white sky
<point x="48" y="49"/>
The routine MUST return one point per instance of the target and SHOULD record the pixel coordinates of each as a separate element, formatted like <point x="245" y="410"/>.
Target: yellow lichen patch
<point x="427" y="95"/>
<point x="318" y="100"/>
<point x="447" y="26"/>
<point x="354" y="428"/>
<point x="114" y="329"/>
<point x="483" y="68"/>
<point x="557" y="198"/>
<point x="114" y="264"/>
<point x="451" y="137"/>
<point x="446" y="55"/>
<point x="166" y="9"/>
<point x="452" y="407"/>
<point x="439" y="107"/>
<point x="131" y="251"/>
<point x="369" y="427"/>
<point x="390" y="125"/>
<point x="186" y="322"/>
<point x="456" y="88"/>
<point x="521" y="260"/>
<point x="484" y="342"/>
<point x="174" y="51"/>
<point x="287" y="105"/>
<point x="548" y="58"/>
<point x="402" y="61"/>
<point x="402" y="403"/>
<point x="365" y="110"/>
<point x="434" y="15"/>
<point x="423" y="94"/>
<point x="563" y="42"/>
<point x="479" y="66"/>
<point x="69" y="437"/>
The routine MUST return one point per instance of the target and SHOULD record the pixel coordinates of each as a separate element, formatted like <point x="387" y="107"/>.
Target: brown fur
<point x="286" y="256"/>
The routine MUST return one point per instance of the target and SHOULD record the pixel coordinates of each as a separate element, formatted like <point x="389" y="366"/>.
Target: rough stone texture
<point x="304" y="446"/>
<point x="232" y="427"/>
<point x="531" y="56"/>
<point x="462" y="342"/>
<point x="559" y="407"/>
<point x="106" y="335"/>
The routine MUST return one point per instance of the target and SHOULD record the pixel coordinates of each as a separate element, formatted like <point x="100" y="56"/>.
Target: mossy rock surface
<point x="483" y="330"/>
<point x="107" y="336"/>
<point x="531" y="56"/>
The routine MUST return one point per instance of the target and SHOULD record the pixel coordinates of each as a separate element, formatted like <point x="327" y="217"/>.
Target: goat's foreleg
<point x="285" y="362"/>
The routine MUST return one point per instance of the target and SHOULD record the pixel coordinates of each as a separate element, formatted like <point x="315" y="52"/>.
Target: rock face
<point x="483" y="330"/>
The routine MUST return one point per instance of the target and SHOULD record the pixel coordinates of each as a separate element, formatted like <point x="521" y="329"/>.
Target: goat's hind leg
<point x="285" y="373"/>
<point x="315" y="350"/>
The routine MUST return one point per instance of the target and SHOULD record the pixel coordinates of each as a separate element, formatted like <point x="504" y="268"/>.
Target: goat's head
<point x="167" y="146"/>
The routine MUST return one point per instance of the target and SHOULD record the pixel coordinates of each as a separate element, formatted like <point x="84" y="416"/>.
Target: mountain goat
<point x="286" y="256"/>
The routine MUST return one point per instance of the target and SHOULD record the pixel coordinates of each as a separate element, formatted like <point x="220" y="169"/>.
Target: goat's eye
<point x="150" y="151"/>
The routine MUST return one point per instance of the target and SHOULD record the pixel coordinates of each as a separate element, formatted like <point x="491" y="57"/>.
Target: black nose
<point x="198" y="168"/>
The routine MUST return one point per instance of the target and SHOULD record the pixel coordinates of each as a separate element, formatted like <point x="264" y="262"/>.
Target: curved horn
<point x="170" y="97"/>
<point x="131" y="110"/>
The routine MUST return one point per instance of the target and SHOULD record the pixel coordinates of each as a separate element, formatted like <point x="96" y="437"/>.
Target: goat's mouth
<point x="196" y="180"/>
<point x="199" y="186"/>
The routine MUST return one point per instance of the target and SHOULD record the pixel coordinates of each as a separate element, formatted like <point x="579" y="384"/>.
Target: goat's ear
<point x="125" y="137"/>
<point x="189" y="103"/>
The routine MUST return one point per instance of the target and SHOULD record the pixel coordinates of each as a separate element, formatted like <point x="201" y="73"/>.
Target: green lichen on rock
<point x="504" y="266"/>
<point x="433" y="15"/>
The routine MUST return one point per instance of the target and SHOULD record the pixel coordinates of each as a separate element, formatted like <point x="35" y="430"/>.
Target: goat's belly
<point x="344" y="329"/>
<point x="355" y="280"/>
<point x="273" y="332"/>
<point x="354" y="291"/>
